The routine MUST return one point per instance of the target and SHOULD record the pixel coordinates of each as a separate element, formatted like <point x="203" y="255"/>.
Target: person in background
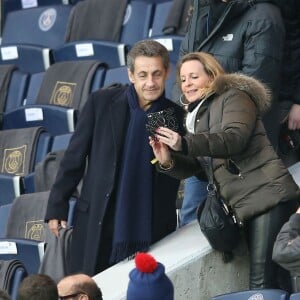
<point x="290" y="84"/>
<point x="224" y="122"/>
<point x="37" y="287"/>
<point x="241" y="35"/>
<point x="148" y="280"/>
<point x="79" y="286"/>
<point x="125" y="204"/>
<point x="286" y="250"/>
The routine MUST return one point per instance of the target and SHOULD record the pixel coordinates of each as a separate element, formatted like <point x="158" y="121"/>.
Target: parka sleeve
<point x="238" y="120"/>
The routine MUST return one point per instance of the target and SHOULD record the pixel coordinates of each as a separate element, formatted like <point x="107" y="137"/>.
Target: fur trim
<point x="257" y="91"/>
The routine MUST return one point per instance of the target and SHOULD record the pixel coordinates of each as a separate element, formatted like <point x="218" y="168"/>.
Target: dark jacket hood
<point x="257" y="91"/>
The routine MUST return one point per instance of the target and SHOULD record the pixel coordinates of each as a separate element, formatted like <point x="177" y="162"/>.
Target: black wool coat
<point x="95" y="153"/>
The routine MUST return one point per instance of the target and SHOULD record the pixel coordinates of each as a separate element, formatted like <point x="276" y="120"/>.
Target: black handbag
<point x="217" y="220"/>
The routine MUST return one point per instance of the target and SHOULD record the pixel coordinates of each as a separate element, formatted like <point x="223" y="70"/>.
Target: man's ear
<point x="130" y="76"/>
<point x="83" y="297"/>
<point x="168" y="72"/>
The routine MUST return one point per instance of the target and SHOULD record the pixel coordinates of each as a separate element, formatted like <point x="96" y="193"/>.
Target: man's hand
<point x="294" y="117"/>
<point x="55" y="224"/>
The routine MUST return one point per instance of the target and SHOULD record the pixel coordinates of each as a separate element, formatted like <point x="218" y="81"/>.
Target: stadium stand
<point x="136" y="25"/>
<point x="43" y="26"/>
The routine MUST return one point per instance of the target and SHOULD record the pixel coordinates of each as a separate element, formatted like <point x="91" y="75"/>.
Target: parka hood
<point x="258" y="92"/>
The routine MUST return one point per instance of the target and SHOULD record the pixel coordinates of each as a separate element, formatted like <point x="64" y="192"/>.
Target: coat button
<point x="100" y="223"/>
<point x="107" y="195"/>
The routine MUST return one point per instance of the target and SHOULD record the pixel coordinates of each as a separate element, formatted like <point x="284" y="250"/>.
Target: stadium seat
<point x="12" y="273"/>
<point x="28" y="58"/>
<point x="135" y="27"/>
<point x="60" y="142"/>
<point x="116" y="75"/>
<point x="12" y="5"/>
<point x="171" y="42"/>
<point x="264" y="294"/>
<point x="26" y="231"/>
<point x="22" y="149"/>
<point x="56" y="119"/>
<point x="4" y="213"/>
<point x="43" y="26"/>
<point x="13" y="85"/>
<point x="55" y="98"/>
<point x="11" y="186"/>
<point x="17" y="90"/>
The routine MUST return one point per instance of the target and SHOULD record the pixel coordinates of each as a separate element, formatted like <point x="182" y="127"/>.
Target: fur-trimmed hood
<point x="257" y="91"/>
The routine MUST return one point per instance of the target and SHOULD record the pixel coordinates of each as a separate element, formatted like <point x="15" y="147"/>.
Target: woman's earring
<point x="181" y="101"/>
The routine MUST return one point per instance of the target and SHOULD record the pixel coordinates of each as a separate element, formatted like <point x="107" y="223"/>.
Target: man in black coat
<point x="125" y="204"/>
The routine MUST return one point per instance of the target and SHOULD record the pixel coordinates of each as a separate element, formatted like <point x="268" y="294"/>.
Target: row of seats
<point x="34" y="38"/>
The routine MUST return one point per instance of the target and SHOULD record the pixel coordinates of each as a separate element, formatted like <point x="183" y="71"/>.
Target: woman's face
<point x="193" y="80"/>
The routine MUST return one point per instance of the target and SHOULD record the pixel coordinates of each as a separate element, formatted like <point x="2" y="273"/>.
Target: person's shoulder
<point x="107" y="94"/>
<point x="111" y="89"/>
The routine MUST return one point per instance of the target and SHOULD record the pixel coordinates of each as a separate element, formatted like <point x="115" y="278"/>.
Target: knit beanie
<point x="148" y="281"/>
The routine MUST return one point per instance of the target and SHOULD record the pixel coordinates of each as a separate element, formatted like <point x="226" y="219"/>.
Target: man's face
<point x="148" y="78"/>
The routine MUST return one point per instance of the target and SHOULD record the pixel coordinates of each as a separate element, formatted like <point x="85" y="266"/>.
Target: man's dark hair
<point x="4" y="295"/>
<point x="37" y="287"/>
<point x="148" y="48"/>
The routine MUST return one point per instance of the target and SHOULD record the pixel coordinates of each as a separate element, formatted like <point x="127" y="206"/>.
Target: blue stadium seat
<point x="137" y="22"/>
<point x="28" y="58"/>
<point x="13" y="272"/>
<point x="11" y="186"/>
<point x="265" y="294"/>
<point x="56" y="119"/>
<point x="43" y="26"/>
<point x="27" y="243"/>
<point x="60" y="142"/>
<point x="12" y="5"/>
<point x="116" y="75"/>
<point x="113" y="54"/>
<point x="4" y="213"/>
<point x="17" y="90"/>
<point x="171" y="42"/>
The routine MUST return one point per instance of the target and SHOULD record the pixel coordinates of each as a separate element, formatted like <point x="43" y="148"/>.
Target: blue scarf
<point x="133" y="217"/>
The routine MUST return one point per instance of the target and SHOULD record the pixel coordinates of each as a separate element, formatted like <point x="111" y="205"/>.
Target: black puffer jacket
<point x="245" y="36"/>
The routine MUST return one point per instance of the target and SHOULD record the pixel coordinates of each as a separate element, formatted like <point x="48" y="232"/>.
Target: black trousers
<point x="261" y="233"/>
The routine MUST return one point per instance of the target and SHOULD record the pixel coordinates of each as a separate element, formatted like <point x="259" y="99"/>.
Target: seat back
<point x="44" y="26"/>
<point x="116" y="75"/>
<point x="264" y="294"/>
<point x="28" y="58"/>
<point x="22" y="148"/>
<point x="17" y="90"/>
<point x="11" y="187"/>
<point x="137" y="22"/>
<point x="4" y="213"/>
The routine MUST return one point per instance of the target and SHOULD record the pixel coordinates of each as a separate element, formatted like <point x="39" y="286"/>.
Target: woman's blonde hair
<point x="210" y="65"/>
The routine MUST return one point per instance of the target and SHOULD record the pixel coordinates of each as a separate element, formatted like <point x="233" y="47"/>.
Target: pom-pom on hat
<point x="148" y="281"/>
